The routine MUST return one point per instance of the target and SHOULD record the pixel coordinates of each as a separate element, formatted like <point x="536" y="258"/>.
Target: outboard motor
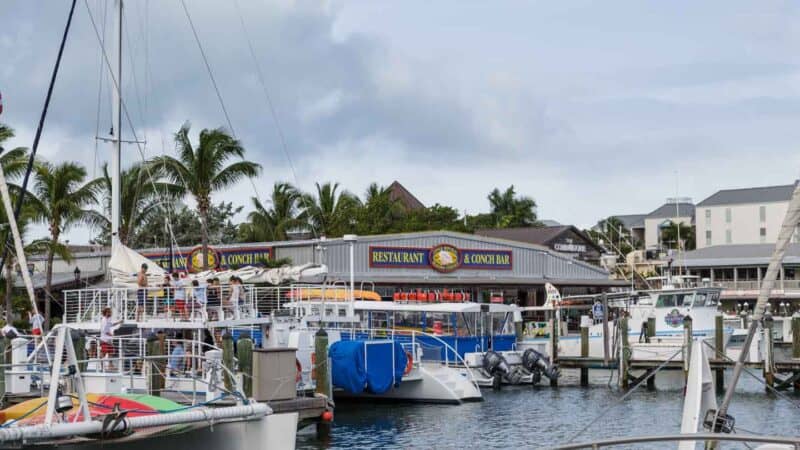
<point x="496" y="366"/>
<point x="536" y="362"/>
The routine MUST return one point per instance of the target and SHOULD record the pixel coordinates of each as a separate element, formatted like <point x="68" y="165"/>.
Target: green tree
<point x="185" y="226"/>
<point x="330" y="212"/>
<point x="272" y="224"/>
<point x="670" y="233"/>
<point x="379" y="213"/>
<point x="14" y="162"/>
<point x="140" y="198"/>
<point x="204" y="169"/>
<point x="510" y="210"/>
<point x="63" y="199"/>
<point x="436" y="217"/>
<point x="612" y="234"/>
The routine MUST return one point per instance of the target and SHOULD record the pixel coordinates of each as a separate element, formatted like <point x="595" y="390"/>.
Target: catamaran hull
<point x="275" y="431"/>
<point x="432" y="383"/>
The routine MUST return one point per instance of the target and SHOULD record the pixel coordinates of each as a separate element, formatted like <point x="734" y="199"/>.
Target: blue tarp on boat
<point x="374" y="366"/>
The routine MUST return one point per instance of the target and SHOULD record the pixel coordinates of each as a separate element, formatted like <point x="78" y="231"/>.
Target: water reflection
<point x="536" y="417"/>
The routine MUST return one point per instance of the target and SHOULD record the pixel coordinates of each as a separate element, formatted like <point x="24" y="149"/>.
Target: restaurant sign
<point x="227" y="258"/>
<point x="443" y="258"/>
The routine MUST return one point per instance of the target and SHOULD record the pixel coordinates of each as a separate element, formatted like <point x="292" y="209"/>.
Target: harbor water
<point x="541" y="416"/>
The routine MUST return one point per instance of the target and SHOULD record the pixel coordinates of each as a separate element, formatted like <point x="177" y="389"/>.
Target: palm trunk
<point x="49" y="281"/>
<point x="9" y="289"/>
<point x="203" y="209"/>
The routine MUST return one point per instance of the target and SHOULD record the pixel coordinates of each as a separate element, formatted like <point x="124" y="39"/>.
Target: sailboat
<point x="70" y="417"/>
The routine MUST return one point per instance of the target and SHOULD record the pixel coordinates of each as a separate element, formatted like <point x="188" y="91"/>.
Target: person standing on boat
<point x="141" y="297"/>
<point x="37" y="325"/>
<point x="107" y="327"/>
<point x="177" y="359"/>
<point x="166" y="288"/>
<point x="236" y="290"/>
<point x="180" y="295"/>
<point x="214" y="301"/>
<point x="199" y="299"/>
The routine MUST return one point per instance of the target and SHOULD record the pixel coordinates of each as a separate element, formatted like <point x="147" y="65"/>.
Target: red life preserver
<point x="409" y="363"/>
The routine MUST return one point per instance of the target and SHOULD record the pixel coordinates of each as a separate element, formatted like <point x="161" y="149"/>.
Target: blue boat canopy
<point x="373" y="366"/>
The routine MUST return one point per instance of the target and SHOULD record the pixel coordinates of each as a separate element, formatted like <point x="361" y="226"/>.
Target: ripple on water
<point x="525" y="417"/>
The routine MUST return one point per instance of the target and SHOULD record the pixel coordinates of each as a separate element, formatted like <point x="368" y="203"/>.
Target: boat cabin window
<point x="674" y="300"/>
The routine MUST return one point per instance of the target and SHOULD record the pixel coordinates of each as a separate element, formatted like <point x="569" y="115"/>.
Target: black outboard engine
<point x="537" y="363"/>
<point x="496" y="366"/>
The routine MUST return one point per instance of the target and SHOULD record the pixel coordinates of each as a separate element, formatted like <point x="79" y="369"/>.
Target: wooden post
<point x="651" y="329"/>
<point x="227" y="360"/>
<point x="796" y="335"/>
<point x="605" y="329"/>
<point x="625" y="350"/>
<point x="554" y="330"/>
<point x="687" y="345"/>
<point x="584" y="354"/>
<point x="323" y="385"/>
<point x="719" y="347"/>
<point x="79" y="344"/>
<point x="244" y="352"/>
<point x="769" y="375"/>
<point x="156" y="366"/>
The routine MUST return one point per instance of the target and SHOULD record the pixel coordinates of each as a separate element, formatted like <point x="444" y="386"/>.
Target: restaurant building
<point x="438" y="262"/>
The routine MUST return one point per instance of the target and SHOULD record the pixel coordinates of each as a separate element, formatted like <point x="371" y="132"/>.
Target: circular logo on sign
<point x="674" y="318"/>
<point x="196" y="259"/>
<point x="445" y="258"/>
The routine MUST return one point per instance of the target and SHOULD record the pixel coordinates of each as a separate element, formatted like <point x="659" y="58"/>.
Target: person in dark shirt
<point x="214" y="298"/>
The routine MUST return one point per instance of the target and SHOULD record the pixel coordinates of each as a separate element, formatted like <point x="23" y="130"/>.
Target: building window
<point x="708" y="237"/>
<point x="728" y="215"/>
<point x="762" y="234"/>
<point x="762" y="213"/>
<point x="728" y="237"/>
<point x="708" y="215"/>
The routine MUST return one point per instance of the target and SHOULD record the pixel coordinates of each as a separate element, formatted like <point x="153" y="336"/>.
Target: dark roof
<point x="632" y="220"/>
<point x="397" y="192"/>
<point x="535" y="235"/>
<point x="668" y="210"/>
<point x="738" y="254"/>
<point x="750" y="195"/>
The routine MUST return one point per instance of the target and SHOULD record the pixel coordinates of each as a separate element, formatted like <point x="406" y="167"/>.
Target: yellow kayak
<point x="334" y="294"/>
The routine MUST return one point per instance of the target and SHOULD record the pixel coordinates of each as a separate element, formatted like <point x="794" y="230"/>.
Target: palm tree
<point x="202" y="170"/>
<point x="379" y="213"/>
<point x="512" y="211"/>
<point x="63" y="199"/>
<point x="140" y="198"/>
<point x="677" y="235"/>
<point x="14" y="162"/>
<point x="330" y="212"/>
<point x="273" y="223"/>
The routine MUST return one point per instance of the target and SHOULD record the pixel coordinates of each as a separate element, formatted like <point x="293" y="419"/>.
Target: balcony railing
<point x="749" y="285"/>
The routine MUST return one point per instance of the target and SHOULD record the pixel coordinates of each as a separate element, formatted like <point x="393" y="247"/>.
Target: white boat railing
<point x="207" y="303"/>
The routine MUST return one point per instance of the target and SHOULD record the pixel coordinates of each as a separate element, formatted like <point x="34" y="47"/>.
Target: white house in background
<point x="679" y="210"/>
<point x="742" y="216"/>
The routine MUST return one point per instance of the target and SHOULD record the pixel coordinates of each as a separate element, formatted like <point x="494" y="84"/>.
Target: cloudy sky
<point x="592" y="108"/>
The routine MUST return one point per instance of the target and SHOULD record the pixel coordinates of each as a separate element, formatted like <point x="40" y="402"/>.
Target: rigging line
<point x="621" y="399"/>
<point x="271" y="106"/>
<point x="123" y="104"/>
<point x="216" y="89"/>
<point x="132" y="60"/>
<point x="99" y="94"/>
<point x="40" y="127"/>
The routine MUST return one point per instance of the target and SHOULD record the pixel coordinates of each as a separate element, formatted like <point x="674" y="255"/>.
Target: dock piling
<point x="719" y="347"/>
<point x="769" y="373"/>
<point x="687" y="345"/>
<point x="605" y="329"/>
<point x="584" y="354"/>
<point x="323" y="385"/>
<point x="227" y="359"/>
<point x="156" y="366"/>
<point x="554" y="330"/>
<point x="651" y="329"/>
<point x="244" y="353"/>
<point x="625" y="351"/>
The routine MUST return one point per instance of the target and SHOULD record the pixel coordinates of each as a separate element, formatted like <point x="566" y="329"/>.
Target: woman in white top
<point x="236" y="290"/>
<point x="107" y="327"/>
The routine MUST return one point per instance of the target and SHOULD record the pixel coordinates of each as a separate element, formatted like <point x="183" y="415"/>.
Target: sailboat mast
<point x="116" y="152"/>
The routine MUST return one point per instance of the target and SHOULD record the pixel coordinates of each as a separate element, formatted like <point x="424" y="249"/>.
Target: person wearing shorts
<point x="107" y="327"/>
<point x="37" y="325"/>
<point x="141" y="294"/>
<point x="180" y="295"/>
